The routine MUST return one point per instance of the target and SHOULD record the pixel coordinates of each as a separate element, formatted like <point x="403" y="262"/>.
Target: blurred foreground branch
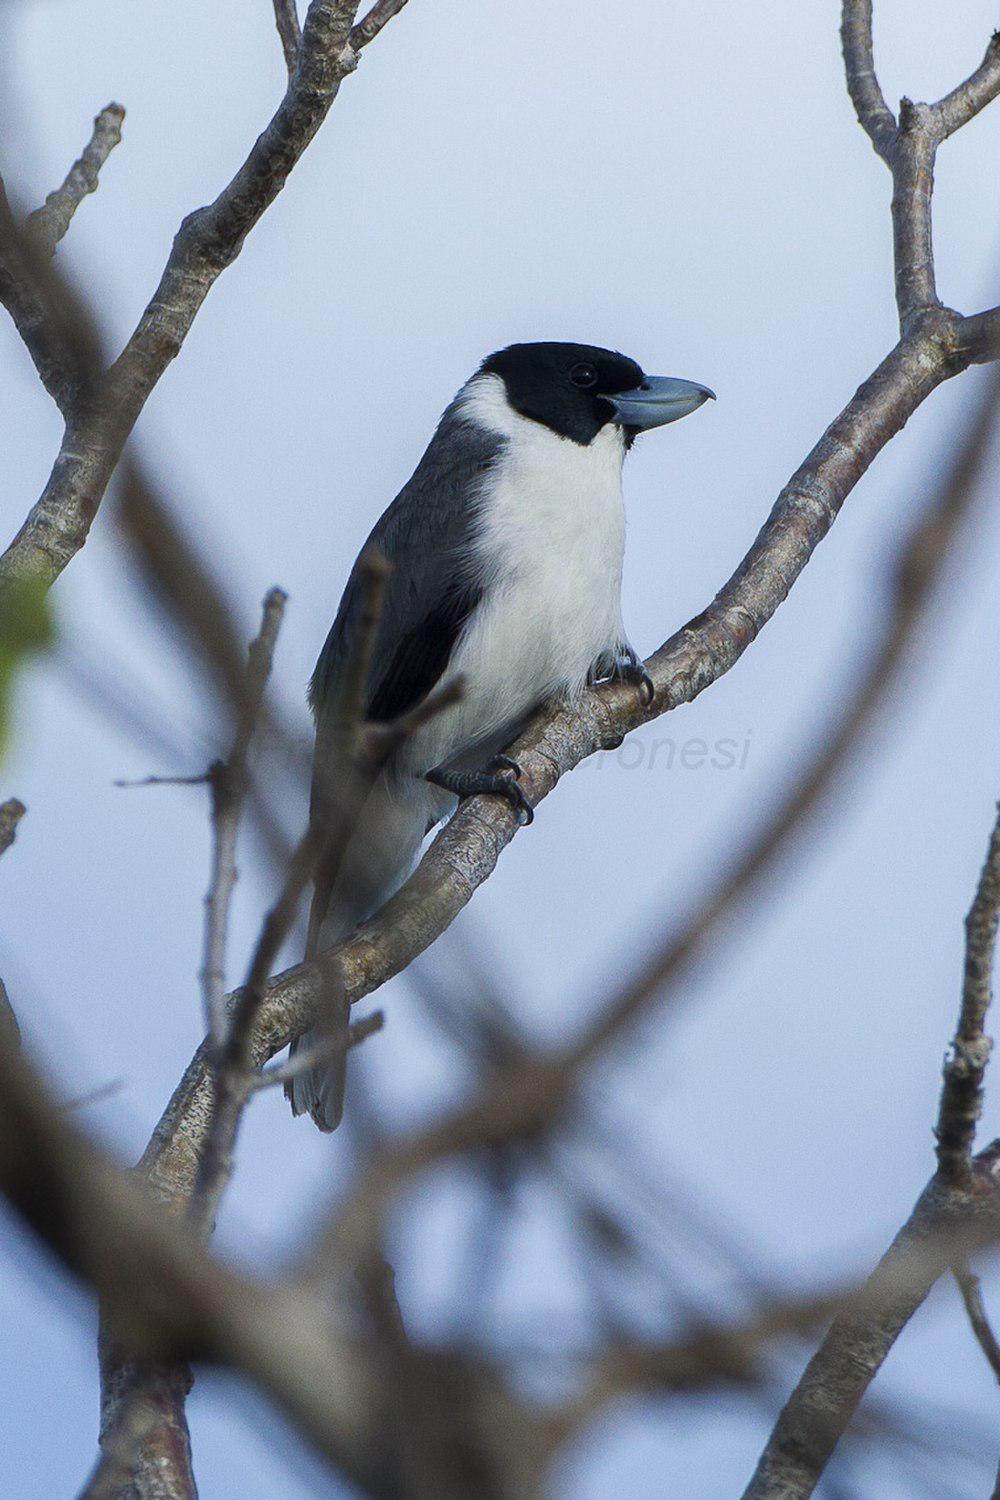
<point x="165" y="1300"/>
<point x="962" y="1191"/>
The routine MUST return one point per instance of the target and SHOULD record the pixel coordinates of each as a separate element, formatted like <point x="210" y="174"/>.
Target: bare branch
<point x="873" y="113"/>
<point x="826" y="1398"/>
<point x="207" y="242"/>
<point x="286" y="18"/>
<point x="972" y="1296"/>
<point x="48" y="224"/>
<point x="52" y="342"/>
<point x="909" y="150"/>
<point x="963" y="103"/>
<point x="711" y="1352"/>
<point x="146" y="1449"/>
<point x="912" y="165"/>
<point x="980" y="335"/>
<point x="965" y="1067"/>
<point x="63" y="345"/>
<point x="232" y="1071"/>
<point x="186" y="585"/>
<point x="380" y="15"/>
<point x="10" y="1031"/>
<point x="228" y="780"/>
<point x="357" y="1032"/>
<point x="166" y="1298"/>
<point x="201" y="779"/>
<point x="859" y="1339"/>
<point x="11" y="813"/>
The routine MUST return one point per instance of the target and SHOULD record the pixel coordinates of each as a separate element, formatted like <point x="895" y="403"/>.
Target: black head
<point x="564" y="386"/>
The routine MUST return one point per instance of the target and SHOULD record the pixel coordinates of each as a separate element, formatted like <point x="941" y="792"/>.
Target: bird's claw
<point x="489" y="782"/>
<point x="630" y="668"/>
<point x="505" y="763"/>
<point x="518" y="801"/>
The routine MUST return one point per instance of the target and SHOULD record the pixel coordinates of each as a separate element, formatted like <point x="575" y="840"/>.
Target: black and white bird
<point x="505" y="553"/>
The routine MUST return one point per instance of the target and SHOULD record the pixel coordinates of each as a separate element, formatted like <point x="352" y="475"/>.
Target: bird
<point x="503" y="556"/>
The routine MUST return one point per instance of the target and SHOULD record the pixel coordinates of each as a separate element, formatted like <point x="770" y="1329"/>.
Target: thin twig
<point x="873" y="113"/>
<point x="63" y="346"/>
<point x="972" y="1296"/>
<point x="965" y="1067"/>
<point x="980" y="335"/>
<point x="233" y="1066"/>
<point x="356" y="760"/>
<point x="54" y="343"/>
<point x="286" y="18"/>
<point x="979" y="89"/>
<point x="93" y="1096"/>
<point x="228" y="781"/>
<point x="823" y="1403"/>
<point x="201" y="779"/>
<point x="860" y="1337"/>
<point x="206" y="243"/>
<point x="909" y="150"/>
<point x="380" y="15"/>
<point x="10" y="1031"/>
<point x="184" y="580"/>
<point x="48" y="224"/>
<point x="323" y="1051"/>
<point x="11" y="813"/>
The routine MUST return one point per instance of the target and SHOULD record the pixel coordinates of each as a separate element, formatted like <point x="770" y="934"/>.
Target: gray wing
<point x="425" y="536"/>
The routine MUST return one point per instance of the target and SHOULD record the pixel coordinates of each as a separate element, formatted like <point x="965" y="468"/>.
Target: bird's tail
<point x="380" y="856"/>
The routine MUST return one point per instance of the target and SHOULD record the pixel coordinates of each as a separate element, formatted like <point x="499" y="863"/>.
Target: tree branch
<point x="357" y="1032"/>
<point x="909" y="149"/>
<point x="965" y="1067"/>
<point x="22" y="288"/>
<point x="207" y="242"/>
<point x="972" y="1296"/>
<point x="859" y="1339"/>
<point x="286" y="18"/>
<point x="874" y="115"/>
<point x="980" y="334"/>
<point x="48" y="224"/>
<point x="11" y="813"/>
<point x="228" y="781"/>
<point x="379" y="16"/>
<point x="167" y="1299"/>
<point x="63" y="350"/>
<point x="824" y="1401"/>
<point x="964" y="102"/>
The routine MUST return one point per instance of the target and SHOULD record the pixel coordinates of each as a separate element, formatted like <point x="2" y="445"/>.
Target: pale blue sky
<point x="686" y="183"/>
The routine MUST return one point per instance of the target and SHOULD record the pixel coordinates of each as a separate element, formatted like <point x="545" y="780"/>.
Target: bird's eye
<point x="583" y="375"/>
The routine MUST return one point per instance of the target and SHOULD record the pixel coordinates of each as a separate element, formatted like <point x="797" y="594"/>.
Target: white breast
<point x="549" y="549"/>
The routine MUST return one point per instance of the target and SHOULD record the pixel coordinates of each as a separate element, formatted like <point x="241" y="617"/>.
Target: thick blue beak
<point x="659" y="400"/>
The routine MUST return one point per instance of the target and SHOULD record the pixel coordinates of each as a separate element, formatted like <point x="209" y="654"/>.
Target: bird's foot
<point x="498" y="779"/>
<point x="629" y="667"/>
<point x="504" y="763"/>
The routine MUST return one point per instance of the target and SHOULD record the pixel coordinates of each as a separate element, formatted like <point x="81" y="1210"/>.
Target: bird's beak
<point x="659" y="400"/>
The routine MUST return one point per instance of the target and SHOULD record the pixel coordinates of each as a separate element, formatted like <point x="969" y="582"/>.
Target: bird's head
<point x="577" y="389"/>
